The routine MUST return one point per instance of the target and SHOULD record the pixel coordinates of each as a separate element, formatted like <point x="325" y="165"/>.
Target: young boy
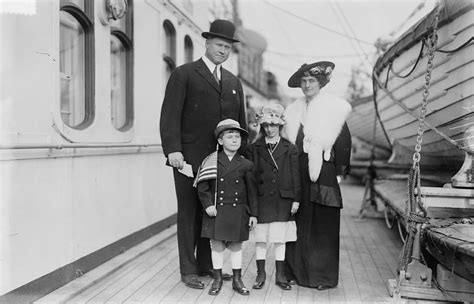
<point x="277" y="173"/>
<point x="227" y="190"/>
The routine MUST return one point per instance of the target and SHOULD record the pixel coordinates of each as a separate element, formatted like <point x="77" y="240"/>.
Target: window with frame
<point x="76" y="62"/>
<point x="121" y="72"/>
<point x="169" y="55"/>
<point x="188" y="49"/>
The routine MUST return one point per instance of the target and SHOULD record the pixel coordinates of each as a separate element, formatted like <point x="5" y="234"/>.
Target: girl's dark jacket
<point x="278" y="181"/>
<point x="236" y="199"/>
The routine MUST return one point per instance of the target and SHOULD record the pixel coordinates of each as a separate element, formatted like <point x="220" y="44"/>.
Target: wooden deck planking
<point x="148" y="274"/>
<point x="368" y="259"/>
<point x="154" y="283"/>
<point x="133" y="280"/>
<point x="170" y="282"/>
<point x="361" y="262"/>
<point x="378" y="267"/>
<point x="110" y="282"/>
<point x="347" y="271"/>
<point x="376" y="241"/>
<point x="126" y="280"/>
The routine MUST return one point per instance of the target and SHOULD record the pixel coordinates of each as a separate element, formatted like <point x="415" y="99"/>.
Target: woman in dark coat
<point x="316" y="125"/>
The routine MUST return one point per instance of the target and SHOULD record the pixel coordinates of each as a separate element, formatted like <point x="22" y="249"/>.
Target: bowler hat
<point x="228" y="124"/>
<point x="222" y="29"/>
<point x="320" y="68"/>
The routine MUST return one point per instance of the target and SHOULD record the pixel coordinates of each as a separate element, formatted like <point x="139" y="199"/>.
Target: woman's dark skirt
<point x="314" y="258"/>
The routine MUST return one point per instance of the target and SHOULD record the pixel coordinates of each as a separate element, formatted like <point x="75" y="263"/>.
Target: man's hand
<point x="176" y="160"/>
<point x="339" y="179"/>
<point x="294" y="208"/>
<point x="211" y="211"/>
<point x="252" y="222"/>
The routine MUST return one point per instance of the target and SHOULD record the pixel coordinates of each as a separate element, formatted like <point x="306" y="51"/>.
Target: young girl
<point x="277" y="173"/>
<point x="227" y="190"/>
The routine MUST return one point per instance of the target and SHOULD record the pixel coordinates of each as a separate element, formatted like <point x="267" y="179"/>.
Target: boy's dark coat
<point x="236" y="199"/>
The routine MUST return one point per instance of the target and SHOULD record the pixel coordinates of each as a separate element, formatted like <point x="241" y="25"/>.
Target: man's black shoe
<point x="191" y="281"/>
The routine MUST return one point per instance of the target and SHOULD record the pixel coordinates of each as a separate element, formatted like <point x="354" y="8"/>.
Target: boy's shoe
<point x="237" y="283"/>
<point x="217" y="283"/>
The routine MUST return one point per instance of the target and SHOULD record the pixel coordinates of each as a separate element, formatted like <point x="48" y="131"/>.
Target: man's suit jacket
<point x="193" y="105"/>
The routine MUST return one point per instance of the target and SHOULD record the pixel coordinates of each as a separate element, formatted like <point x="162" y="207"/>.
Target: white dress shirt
<point x="211" y="66"/>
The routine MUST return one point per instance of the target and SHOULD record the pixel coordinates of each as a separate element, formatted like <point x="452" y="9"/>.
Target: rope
<point x="376" y="107"/>
<point x="420" y="55"/>
<point x="407" y="110"/>
<point x="458" y="48"/>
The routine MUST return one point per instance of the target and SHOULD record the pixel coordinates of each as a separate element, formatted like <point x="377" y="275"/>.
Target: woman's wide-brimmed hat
<point x="317" y="69"/>
<point x="270" y="114"/>
<point x="222" y="29"/>
<point x="229" y="124"/>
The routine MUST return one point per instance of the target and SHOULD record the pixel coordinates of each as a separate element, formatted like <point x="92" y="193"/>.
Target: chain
<point x="432" y="42"/>
<point x="414" y="210"/>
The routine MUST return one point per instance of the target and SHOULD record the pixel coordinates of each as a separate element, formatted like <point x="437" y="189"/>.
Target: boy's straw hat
<point x="228" y="124"/>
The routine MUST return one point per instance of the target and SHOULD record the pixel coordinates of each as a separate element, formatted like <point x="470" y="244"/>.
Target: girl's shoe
<point x="280" y="279"/>
<point x="261" y="275"/>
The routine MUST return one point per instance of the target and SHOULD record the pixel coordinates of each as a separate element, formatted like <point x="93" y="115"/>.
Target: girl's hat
<point x="318" y="69"/>
<point x="270" y="114"/>
<point x="228" y="124"/>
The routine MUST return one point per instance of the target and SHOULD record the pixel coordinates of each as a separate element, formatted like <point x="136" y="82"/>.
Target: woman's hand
<point x="339" y="179"/>
<point x="252" y="222"/>
<point x="294" y="208"/>
<point x="211" y="211"/>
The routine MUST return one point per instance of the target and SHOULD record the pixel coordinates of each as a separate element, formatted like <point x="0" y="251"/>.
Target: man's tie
<point x="215" y="75"/>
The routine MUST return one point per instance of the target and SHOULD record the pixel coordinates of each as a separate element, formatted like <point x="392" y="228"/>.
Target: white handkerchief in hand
<point x="187" y="170"/>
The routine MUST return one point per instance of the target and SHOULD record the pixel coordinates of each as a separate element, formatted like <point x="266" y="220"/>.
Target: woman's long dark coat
<point x="314" y="258"/>
<point x="236" y="199"/>
<point x="278" y="181"/>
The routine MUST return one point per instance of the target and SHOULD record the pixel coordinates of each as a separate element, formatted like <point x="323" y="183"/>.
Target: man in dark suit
<point x="198" y="95"/>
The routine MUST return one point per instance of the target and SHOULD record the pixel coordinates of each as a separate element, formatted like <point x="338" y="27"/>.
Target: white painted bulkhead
<point x="59" y="205"/>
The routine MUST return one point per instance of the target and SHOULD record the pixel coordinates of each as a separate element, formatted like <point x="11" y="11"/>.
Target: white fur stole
<point x="325" y="118"/>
